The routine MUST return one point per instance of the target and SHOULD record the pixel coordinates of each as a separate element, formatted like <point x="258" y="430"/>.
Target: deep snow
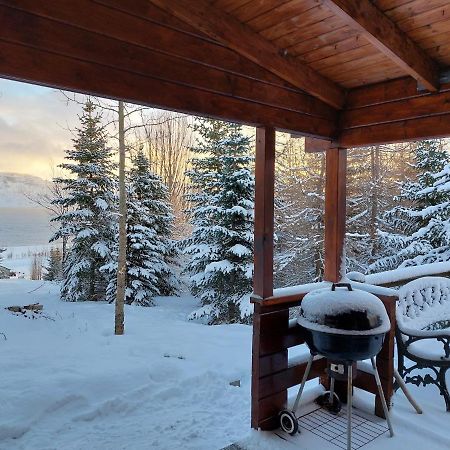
<point x="67" y="383"/>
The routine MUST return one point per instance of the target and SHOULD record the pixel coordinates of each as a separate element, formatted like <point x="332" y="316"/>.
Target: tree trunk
<point x="375" y="166"/>
<point x="122" y="260"/>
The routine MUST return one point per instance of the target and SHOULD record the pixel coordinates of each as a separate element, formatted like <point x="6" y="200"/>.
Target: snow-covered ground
<point x="19" y="259"/>
<point x="67" y="383"/>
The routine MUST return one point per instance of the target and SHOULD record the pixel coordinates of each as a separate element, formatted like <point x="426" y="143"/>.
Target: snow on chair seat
<point x="423" y="331"/>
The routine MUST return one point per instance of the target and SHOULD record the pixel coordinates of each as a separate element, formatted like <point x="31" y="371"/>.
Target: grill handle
<point x="347" y="285"/>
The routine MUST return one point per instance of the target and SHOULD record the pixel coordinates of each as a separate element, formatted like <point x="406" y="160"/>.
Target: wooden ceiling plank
<point x="279" y="12"/>
<point x="389" y="39"/>
<point x="256" y="8"/>
<point x="349" y="56"/>
<point x="329" y="39"/>
<point x="411" y="9"/>
<point x="296" y="22"/>
<point x="242" y="39"/>
<point x="313" y="30"/>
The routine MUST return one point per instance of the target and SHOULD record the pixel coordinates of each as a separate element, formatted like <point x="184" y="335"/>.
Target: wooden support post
<point x="263" y="258"/>
<point x="264" y="197"/>
<point x="335" y="211"/>
<point x="335" y="214"/>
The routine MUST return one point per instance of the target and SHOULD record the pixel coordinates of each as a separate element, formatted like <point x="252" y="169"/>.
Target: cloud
<point x="35" y="125"/>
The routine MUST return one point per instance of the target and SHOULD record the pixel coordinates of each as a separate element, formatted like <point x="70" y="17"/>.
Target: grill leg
<point x="302" y="386"/>
<point x="332" y="381"/>
<point x="383" y="400"/>
<point x="349" y="406"/>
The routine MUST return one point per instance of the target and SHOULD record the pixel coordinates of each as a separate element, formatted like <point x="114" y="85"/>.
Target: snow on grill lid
<point x="344" y="312"/>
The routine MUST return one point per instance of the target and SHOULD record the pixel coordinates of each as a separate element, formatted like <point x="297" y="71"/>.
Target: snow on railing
<point x="405" y="274"/>
<point x="293" y="293"/>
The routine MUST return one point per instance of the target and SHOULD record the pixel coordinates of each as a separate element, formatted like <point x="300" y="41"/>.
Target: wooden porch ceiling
<point x="357" y="73"/>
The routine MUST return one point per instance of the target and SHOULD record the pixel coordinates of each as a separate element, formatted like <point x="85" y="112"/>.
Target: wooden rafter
<point x="384" y="34"/>
<point x="242" y="39"/>
<point x="393" y="111"/>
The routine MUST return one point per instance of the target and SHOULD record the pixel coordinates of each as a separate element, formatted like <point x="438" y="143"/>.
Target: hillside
<point x="15" y="186"/>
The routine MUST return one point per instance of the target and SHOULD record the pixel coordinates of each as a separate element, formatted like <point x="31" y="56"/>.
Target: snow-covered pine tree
<point x="90" y="219"/>
<point x="299" y="205"/>
<point x="221" y="245"/>
<point x="417" y="228"/>
<point x="150" y="250"/>
<point x="53" y="271"/>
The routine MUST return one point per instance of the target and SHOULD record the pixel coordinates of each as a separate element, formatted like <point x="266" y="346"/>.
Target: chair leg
<point x="443" y="387"/>
<point x="401" y="384"/>
<point x="401" y="363"/>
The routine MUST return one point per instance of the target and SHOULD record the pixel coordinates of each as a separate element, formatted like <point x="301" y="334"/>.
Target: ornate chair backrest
<point x="418" y="296"/>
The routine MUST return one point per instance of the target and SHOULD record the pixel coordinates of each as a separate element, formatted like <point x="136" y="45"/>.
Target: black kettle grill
<point x="345" y="326"/>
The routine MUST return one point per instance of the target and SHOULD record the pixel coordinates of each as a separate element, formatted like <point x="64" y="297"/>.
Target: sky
<point x="35" y="125"/>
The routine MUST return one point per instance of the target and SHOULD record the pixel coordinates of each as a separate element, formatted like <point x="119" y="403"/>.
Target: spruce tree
<point x="150" y="250"/>
<point x="416" y="232"/>
<point x="53" y="271"/>
<point x="221" y="245"/>
<point x="90" y="219"/>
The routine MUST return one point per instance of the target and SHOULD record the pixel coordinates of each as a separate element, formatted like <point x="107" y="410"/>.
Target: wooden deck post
<point x="335" y="212"/>
<point x="264" y="198"/>
<point x="263" y="253"/>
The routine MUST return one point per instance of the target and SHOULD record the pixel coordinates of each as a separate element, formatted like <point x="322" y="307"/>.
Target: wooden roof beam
<point x="384" y="34"/>
<point x="242" y="39"/>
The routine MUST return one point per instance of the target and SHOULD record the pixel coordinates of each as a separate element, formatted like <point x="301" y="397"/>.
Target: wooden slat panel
<point x="274" y="321"/>
<point x="273" y="363"/>
<point x="269" y="410"/>
<point x="281" y="381"/>
<point x="276" y="342"/>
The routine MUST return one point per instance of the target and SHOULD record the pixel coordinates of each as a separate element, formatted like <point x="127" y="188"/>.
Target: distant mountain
<point x="15" y="186"/>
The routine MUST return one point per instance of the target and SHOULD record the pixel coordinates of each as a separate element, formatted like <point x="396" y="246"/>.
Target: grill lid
<point x="343" y="310"/>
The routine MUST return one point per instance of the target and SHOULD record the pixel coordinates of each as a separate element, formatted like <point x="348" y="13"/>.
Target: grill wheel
<point x="288" y="422"/>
